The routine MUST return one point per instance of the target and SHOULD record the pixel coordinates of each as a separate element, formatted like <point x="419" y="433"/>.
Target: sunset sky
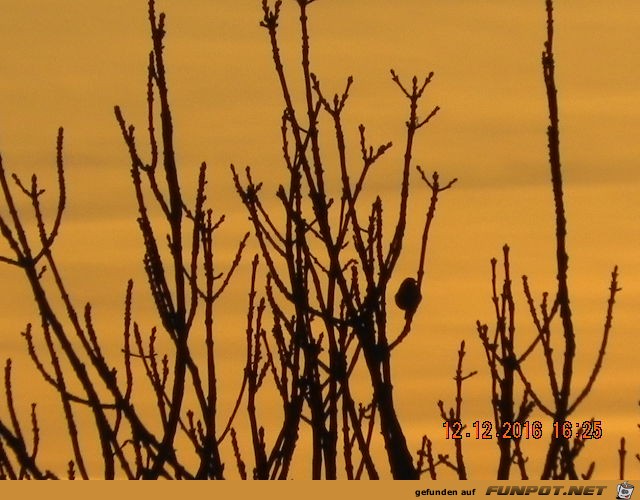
<point x="67" y="63"/>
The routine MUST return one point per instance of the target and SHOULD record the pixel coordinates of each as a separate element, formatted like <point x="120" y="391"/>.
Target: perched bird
<point x="408" y="297"/>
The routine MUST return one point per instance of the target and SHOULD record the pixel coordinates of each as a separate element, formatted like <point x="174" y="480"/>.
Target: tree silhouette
<point x="317" y="324"/>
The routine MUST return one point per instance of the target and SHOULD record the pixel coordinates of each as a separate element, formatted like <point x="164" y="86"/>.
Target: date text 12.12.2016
<point x="528" y="429"/>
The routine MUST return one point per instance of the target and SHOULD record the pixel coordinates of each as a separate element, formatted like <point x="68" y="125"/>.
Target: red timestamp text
<point x="527" y="429"/>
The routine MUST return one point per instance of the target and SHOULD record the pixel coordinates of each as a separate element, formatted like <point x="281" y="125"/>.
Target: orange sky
<point x="68" y="63"/>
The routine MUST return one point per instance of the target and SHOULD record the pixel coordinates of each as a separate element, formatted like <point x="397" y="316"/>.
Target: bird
<point x="408" y="297"/>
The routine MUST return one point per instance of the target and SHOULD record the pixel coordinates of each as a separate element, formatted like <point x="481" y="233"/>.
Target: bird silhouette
<point x="408" y="297"/>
